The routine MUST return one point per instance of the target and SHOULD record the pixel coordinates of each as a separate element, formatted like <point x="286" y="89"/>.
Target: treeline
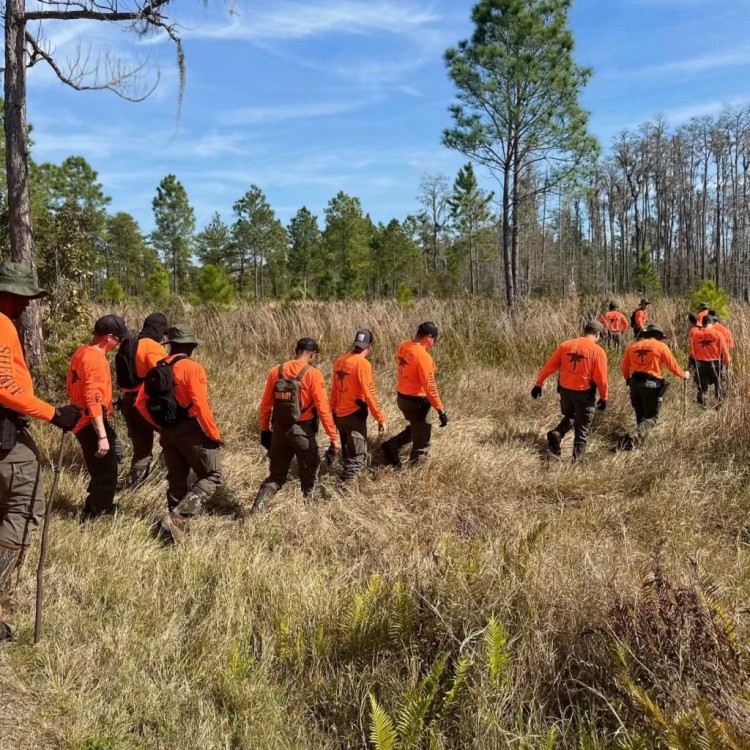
<point x="663" y="210"/>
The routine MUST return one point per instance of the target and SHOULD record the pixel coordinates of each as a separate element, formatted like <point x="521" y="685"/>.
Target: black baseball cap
<point x="363" y="339"/>
<point x="112" y="324"/>
<point x="307" y="344"/>
<point x="709" y="320"/>
<point x="428" y="329"/>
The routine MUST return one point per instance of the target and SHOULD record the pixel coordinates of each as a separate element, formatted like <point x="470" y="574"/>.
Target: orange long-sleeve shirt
<point x="353" y="381"/>
<point x="416" y="373"/>
<point x="89" y="384"/>
<point x="190" y="392"/>
<point x="709" y="345"/>
<point x="691" y="336"/>
<point x="640" y="317"/>
<point x="16" y="388"/>
<point x="312" y="394"/>
<point x="726" y="333"/>
<point x="649" y="357"/>
<point x="581" y="364"/>
<point x="614" y="321"/>
<point x="147" y="355"/>
<point x="701" y="314"/>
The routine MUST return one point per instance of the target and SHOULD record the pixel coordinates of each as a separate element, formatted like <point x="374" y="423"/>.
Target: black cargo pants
<point x="418" y="413"/>
<point x="646" y="400"/>
<point x="100" y="498"/>
<point x="578" y="409"/>
<point x="141" y="435"/>
<point x="353" y="434"/>
<point x="709" y="374"/>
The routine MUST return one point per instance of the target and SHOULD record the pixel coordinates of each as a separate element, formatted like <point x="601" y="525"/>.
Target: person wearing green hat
<point x="174" y="398"/>
<point x="21" y="486"/>
<point x="643" y="369"/>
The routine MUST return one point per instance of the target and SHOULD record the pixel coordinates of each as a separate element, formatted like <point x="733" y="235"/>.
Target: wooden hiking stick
<point x="43" y="547"/>
<point x="684" y="398"/>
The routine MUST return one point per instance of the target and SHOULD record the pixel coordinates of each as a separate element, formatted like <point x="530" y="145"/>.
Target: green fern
<point x="550" y="740"/>
<point x="382" y="732"/>
<point x="498" y="657"/>
<point x="458" y="685"/>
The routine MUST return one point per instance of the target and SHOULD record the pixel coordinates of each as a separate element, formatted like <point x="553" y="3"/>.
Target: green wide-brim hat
<point x="182" y="333"/>
<point x="18" y="279"/>
<point x="656" y="331"/>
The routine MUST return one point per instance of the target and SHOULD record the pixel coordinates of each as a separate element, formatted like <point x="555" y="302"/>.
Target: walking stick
<point x="43" y="547"/>
<point x="684" y="398"/>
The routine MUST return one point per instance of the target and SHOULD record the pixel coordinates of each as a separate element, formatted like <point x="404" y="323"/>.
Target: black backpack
<point x="162" y="406"/>
<point x="287" y="409"/>
<point x="632" y="319"/>
<point x="125" y="371"/>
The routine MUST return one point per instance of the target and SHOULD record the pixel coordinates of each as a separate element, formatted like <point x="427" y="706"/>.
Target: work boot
<point x="264" y="496"/>
<point x="175" y="523"/>
<point x="553" y="441"/>
<point x="138" y="478"/>
<point x="391" y="454"/>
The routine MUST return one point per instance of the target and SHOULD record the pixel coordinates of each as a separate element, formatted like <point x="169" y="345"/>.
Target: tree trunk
<point x="17" y="165"/>
<point x="510" y="292"/>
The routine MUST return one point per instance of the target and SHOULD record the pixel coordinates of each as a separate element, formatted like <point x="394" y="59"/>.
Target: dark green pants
<point x="103" y="471"/>
<point x="578" y="408"/>
<point x="300" y="441"/>
<point x="353" y="433"/>
<point x="709" y="374"/>
<point x="613" y="339"/>
<point x="141" y="435"/>
<point x="645" y="398"/>
<point x="185" y="446"/>
<point x="21" y="493"/>
<point x="418" y="413"/>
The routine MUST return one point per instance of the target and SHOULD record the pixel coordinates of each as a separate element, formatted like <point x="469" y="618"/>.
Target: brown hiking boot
<point x="553" y="441"/>
<point x="174" y="526"/>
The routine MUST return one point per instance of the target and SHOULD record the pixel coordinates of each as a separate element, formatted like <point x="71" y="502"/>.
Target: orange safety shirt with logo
<point x="726" y="333"/>
<point x="641" y="318"/>
<point x="614" y="321"/>
<point x="353" y="384"/>
<point x="16" y="388"/>
<point x="709" y="345"/>
<point x="312" y="394"/>
<point x="582" y="364"/>
<point x="416" y="373"/>
<point x="89" y="384"/>
<point x="148" y="354"/>
<point x="649" y="357"/>
<point x="190" y="392"/>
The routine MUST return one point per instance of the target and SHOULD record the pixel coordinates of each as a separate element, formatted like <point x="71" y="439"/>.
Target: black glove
<point x="443" y="417"/>
<point x="265" y="439"/>
<point x="66" y="417"/>
<point x="210" y="443"/>
<point x="536" y="391"/>
<point x="602" y="404"/>
<point x="330" y="456"/>
<point x="627" y="382"/>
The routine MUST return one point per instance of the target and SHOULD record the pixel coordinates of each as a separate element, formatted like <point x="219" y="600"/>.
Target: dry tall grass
<point x="491" y="599"/>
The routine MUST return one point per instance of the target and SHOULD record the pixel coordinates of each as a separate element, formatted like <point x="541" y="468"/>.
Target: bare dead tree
<point x="25" y="46"/>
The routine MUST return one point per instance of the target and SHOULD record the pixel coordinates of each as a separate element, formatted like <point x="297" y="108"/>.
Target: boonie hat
<point x="363" y="339"/>
<point x="654" y="331"/>
<point x="111" y="324"/>
<point x="182" y="333"/>
<point x="703" y="306"/>
<point x="645" y="302"/>
<point x="15" y="278"/>
<point x="613" y="305"/>
<point x="594" y="326"/>
<point x="307" y="344"/>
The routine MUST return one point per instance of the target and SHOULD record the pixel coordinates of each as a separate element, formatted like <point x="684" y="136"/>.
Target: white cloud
<point x="679" y="115"/>
<point x="701" y="63"/>
<point x="295" y="20"/>
<point x="281" y="112"/>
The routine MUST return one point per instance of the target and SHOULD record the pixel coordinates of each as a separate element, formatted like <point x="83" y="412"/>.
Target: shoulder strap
<point x="302" y="372"/>
<point x="177" y="357"/>
<point x="280" y="374"/>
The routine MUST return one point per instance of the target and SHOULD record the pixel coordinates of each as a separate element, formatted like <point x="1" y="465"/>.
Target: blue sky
<point x="308" y="98"/>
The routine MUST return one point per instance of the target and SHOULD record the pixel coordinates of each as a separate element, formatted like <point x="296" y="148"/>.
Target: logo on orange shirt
<point x="341" y="375"/>
<point x="575" y="358"/>
<point x="402" y="363"/>
<point x="641" y="354"/>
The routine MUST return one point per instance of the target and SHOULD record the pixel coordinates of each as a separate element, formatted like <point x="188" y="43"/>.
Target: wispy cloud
<point x="282" y="112"/>
<point x="702" y="63"/>
<point x="679" y="115"/>
<point x="295" y="20"/>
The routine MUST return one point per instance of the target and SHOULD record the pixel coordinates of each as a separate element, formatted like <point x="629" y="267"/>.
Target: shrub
<point x="714" y="296"/>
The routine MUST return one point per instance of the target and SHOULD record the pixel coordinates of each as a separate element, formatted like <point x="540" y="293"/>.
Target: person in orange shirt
<point x="723" y="330"/>
<point x="89" y="386"/>
<point x="21" y="485"/>
<point x="353" y="396"/>
<point x="417" y="395"/>
<point x="712" y="358"/>
<point x="702" y="312"/>
<point x="293" y="402"/>
<point x="174" y="399"/>
<point x="135" y="357"/>
<point x="642" y="367"/>
<point x="615" y="324"/>
<point x="582" y="365"/>
<point x="640" y="318"/>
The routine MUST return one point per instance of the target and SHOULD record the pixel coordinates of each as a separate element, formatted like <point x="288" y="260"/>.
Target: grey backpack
<point x="287" y="409"/>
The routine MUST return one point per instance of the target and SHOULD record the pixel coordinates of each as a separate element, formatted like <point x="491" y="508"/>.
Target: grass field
<point x="490" y="599"/>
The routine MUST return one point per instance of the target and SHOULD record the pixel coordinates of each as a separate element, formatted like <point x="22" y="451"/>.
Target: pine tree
<point x="213" y="244"/>
<point x="214" y="285"/>
<point x="127" y="257"/>
<point x="173" y="235"/>
<point x="305" y="244"/>
<point x="518" y="88"/>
